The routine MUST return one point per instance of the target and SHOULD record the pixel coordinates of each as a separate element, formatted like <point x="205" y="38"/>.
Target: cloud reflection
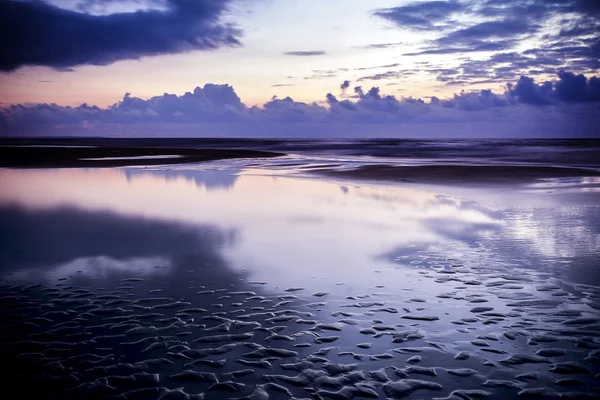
<point x="213" y="179"/>
<point x="290" y="231"/>
<point x="99" y="267"/>
<point x="64" y="241"/>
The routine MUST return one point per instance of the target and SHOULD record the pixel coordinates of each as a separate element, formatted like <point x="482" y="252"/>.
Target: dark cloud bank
<point x="566" y="107"/>
<point x="38" y="33"/>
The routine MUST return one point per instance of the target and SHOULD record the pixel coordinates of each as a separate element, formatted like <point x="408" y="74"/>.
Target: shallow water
<point x="120" y="280"/>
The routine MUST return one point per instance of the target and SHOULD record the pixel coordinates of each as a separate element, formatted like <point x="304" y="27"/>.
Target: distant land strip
<point x="99" y="157"/>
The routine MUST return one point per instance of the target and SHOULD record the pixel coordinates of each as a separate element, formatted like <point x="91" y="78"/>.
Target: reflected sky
<point x="211" y="179"/>
<point x="283" y="230"/>
<point x="62" y="241"/>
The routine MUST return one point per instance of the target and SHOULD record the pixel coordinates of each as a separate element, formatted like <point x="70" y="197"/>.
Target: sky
<point x="300" y="68"/>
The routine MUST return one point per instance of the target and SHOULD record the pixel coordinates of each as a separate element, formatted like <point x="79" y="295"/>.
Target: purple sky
<point x="291" y="68"/>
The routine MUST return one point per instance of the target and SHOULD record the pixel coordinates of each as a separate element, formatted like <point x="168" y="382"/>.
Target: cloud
<point x="527" y="107"/>
<point x="420" y="15"/>
<point x="378" y="46"/>
<point x="344" y="86"/>
<point x="104" y="6"/>
<point x="384" y="75"/>
<point x="490" y="36"/>
<point x="546" y="60"/>
<point x="498" y="68"/>
<point x="210" y="103"/>
<point x="320" y="75"/>
<point x="376" y="67"/>
<point x="475" y="101"/>
<point x="550" y="36"/>
<point x="576" y="88"/>
<point x="305" y="53"/>
<point x="528" y="92"/>
<point x="67" y="233"/>
<point x="38" y="33"/>
<point x="92" y="244"/>
<point x="569" y="88"/>
<point x="579" y="54"/>
<point x="588" y="6"/>
<point x="489" y="30"/>
<point x="473" y="47"/>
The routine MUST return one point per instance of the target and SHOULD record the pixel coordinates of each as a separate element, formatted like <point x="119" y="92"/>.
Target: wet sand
<point x="103" y="156"/>
<point x="142" y="339"/>
<point x="496" y="174"/>
<point x="193" y="324"/>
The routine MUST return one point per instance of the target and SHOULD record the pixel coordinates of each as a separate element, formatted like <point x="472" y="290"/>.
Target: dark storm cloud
<point x="37" y="33"/>
<point x="421" y="15"/>
<point x="305" y="53"/>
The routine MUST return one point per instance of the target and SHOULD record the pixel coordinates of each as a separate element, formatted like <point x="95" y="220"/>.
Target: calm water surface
<point x="120" y="280"/>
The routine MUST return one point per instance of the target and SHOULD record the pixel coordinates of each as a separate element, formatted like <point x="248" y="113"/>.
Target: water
<point x="119" y="280"/>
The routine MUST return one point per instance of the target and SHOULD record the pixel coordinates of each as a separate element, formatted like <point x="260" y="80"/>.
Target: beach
<point x="106" y="156"/>
<point x="279" y="270"/>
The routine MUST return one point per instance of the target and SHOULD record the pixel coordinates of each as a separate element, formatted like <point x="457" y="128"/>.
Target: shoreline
<point x="122" y="156"/>
<point x="107" y="157"/>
